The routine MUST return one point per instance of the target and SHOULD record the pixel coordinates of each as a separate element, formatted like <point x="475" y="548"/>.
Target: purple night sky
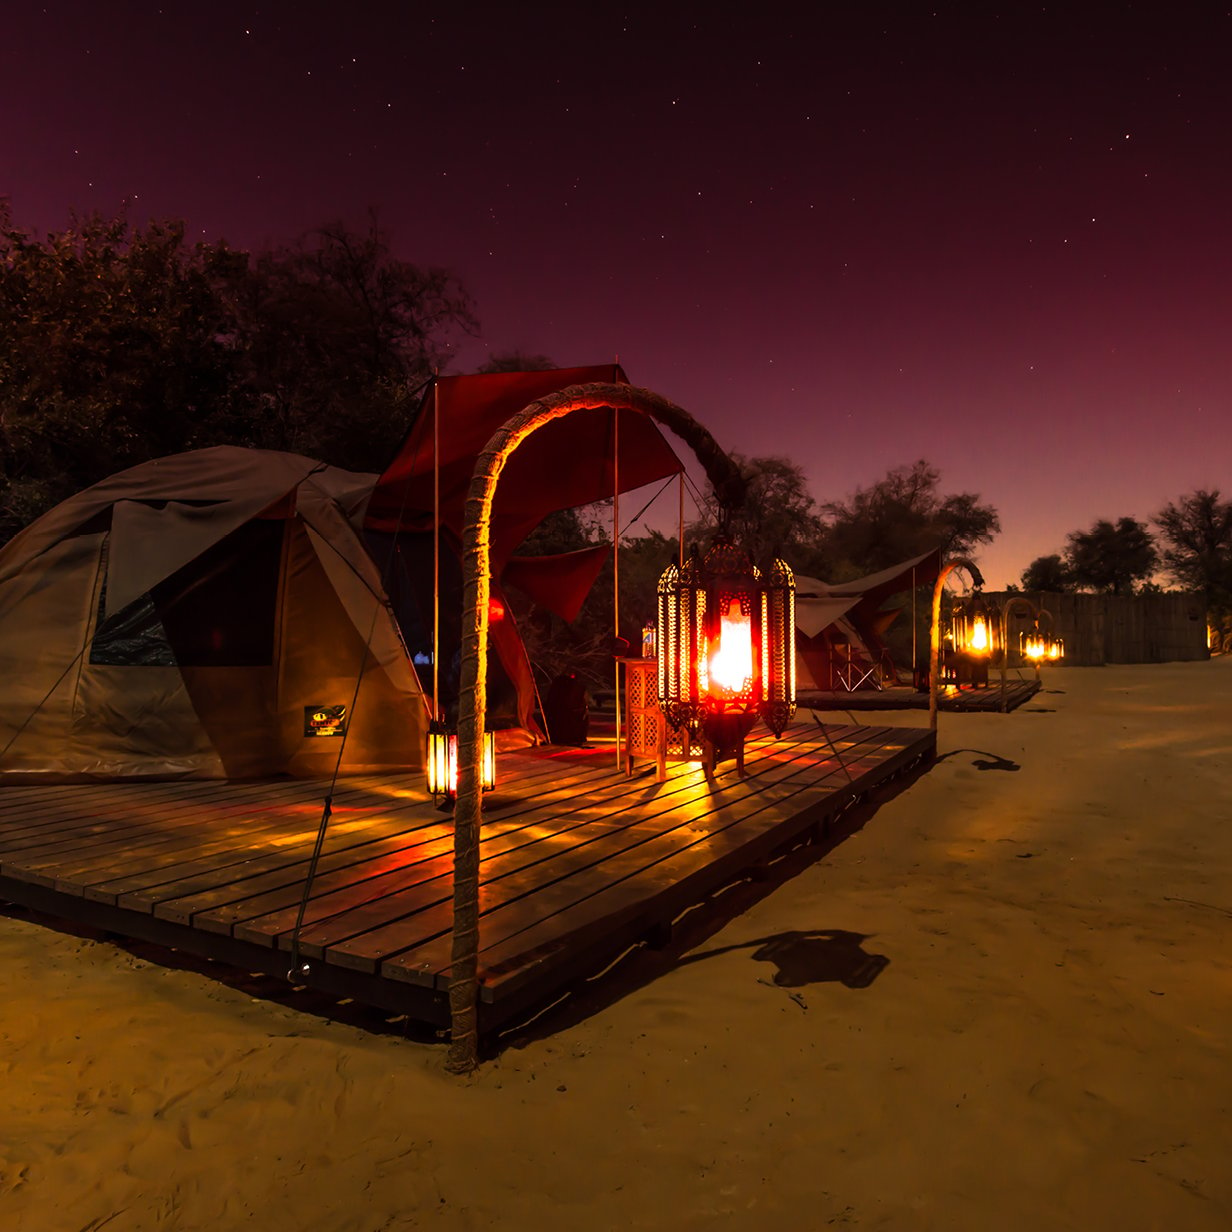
<point x="854" y="238"/>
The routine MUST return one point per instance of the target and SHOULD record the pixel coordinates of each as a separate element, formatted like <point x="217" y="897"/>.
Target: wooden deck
<point x="577" y="861"/>
<point x="900" y="697"/>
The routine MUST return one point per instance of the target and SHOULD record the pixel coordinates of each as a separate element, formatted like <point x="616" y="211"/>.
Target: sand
<point x="1004" y="1003"/>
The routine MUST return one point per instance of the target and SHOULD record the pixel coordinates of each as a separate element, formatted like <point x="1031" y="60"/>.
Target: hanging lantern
<point x="1055" y="649"/>
<point x="972" y="627"/>
<point x="442" y="762"/>
<point x="726" y="642"/>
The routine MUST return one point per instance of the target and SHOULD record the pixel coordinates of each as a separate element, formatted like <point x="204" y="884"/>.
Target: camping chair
<point x="854" y="674"/>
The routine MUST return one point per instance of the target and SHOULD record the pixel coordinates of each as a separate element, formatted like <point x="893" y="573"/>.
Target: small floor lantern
<point x="726" y="641"/>
<point x="1034" y="646"/>
<point x="442" y="763"/>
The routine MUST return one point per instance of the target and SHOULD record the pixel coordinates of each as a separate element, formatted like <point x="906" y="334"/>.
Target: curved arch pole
<point x="1020" y="602"/>
<point x="934" y="629"/>
<point x="729" y="486"/>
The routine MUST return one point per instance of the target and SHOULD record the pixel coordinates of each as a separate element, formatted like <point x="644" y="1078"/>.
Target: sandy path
<point x="1039" y="1041"/>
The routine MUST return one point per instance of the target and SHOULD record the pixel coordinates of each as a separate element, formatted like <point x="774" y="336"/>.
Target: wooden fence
<point x="1102" y="629"/>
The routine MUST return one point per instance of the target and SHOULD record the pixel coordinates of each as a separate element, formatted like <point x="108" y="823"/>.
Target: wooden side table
<point x="645" y="733"/>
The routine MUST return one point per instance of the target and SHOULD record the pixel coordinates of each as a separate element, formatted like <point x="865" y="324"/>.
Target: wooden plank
<point x="725" y="836"/>
<point x="510" y="876"/>
<point x="84" y="858"/>
<point x="610" y="796"/>
<point x="659" y="893"/>
<point x="97" y="819"/>
<point x="357" y="879"/>
<point x="574" y="856"/>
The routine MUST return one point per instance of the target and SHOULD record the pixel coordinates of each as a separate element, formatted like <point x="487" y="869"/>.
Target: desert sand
<point x="1005" y="1002"/>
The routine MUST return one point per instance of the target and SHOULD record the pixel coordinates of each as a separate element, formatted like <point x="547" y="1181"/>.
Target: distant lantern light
<point x="726" y="644"/>
<point x="1034" y="646"/>
<point x="442" y="762"/>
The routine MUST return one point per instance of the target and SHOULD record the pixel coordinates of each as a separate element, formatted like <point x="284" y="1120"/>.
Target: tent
<point x="231" y="612"/>
<point x="203" y="615"/>
<point x="580" y="458"/>
<point x="840" y="626"/>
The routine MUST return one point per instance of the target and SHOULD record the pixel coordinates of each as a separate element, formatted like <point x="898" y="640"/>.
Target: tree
<point x="121" y="343"/>
<point x="904" y="515"/>
<point x="335" y="336"/>
<point x="517" y="361"/>
<point x="1197" y="534"/>
<point x="1109" y="557"/>
<point x="1048" y="573"/>
<point x="112" y="351"/>
<point x="779" y="516"/>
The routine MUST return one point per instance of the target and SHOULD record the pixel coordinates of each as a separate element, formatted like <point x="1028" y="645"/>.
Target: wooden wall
<point x="1102" y="629"/>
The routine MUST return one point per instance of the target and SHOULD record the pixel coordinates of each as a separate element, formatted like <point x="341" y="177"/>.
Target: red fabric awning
<point x="558" y="583"/>
<point x="563" y="465"/>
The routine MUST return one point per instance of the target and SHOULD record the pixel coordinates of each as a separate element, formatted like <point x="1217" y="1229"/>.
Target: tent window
<point x="219" y="610"/>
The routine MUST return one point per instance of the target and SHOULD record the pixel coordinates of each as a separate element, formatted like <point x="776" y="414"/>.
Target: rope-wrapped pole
<point x="1013" y="603"/>
<point x="934" y="631"/>
<point x="729" y="487"/>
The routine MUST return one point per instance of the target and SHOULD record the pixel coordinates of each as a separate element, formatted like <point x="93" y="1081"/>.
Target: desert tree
<point x="903" y="515"/>
<point x="777" y="517"/>
<point x="1048" y="573"/>
<point x="1196" y="530"/>
<point x="1111" y="557"/>
<point x="122" y="342"/>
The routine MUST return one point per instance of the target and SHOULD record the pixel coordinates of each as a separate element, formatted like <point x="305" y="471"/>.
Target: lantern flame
<point x="979" y="634"/>
<point x="731" y="659"/>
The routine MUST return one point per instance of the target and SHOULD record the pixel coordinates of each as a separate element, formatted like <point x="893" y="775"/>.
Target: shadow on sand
<point x="983" y="760"/>
<point x="799" y="957"/>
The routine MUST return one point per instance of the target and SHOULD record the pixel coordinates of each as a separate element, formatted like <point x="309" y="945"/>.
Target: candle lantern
<point x="442" y="762"/>
<point x="726" y="641"/>
<point x="972" y="627"/>
<point x="1034" y="645"/>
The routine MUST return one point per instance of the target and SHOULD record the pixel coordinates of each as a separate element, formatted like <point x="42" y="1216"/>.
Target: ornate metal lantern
<point x="442" y="762"/>
<point x="726" y="641"/>
<point x="972" y="627"/>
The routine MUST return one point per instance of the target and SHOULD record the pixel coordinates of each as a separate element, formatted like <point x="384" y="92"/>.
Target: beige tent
<point x="211" y="614"/>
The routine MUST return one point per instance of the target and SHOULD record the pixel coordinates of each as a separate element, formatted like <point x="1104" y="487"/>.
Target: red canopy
<point x="563" y="465"/>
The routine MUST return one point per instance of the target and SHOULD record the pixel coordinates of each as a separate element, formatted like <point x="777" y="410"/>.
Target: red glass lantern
<point x="726" y="642"/>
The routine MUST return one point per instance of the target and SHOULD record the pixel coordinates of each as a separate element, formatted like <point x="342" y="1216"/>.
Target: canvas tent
<point x="840" y="626"/>
<point x="218" y="613"/>
<point x="203" y="615"/>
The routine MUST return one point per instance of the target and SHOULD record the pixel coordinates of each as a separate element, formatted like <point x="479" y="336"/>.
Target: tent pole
<point x="914" y="652"/>
<point x="436" y="547"/>
<point x="616" y="566"/>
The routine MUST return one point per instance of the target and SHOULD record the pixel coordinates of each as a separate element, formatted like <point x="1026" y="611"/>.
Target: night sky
<point x="1001" y="241"/>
